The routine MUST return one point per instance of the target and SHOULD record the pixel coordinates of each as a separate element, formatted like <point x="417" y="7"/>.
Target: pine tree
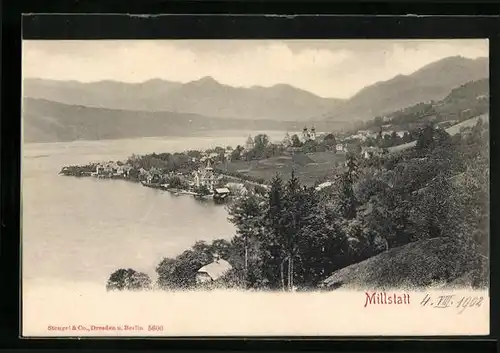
<point x="348" y="202"/>
<point x="246" y="214"/>
<point x="274" y="220"/>
<point x="293" y="219"/>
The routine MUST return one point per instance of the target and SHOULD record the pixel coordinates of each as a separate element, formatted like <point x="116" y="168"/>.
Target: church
<point x="308" y="134"/>
<point x="205" y="177"/>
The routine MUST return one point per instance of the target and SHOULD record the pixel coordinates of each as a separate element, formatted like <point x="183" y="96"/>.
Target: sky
<point x="328" y="68"/>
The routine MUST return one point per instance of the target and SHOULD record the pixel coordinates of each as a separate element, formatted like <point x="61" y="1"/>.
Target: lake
<point x="78" y="230"/>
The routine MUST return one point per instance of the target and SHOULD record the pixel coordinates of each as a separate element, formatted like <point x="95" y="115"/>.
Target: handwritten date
<point x="452" y="301"/>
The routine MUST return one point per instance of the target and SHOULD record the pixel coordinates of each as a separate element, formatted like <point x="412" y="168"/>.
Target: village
<point x="219" y="173"/>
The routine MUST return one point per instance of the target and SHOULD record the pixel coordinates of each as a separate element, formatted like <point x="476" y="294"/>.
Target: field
<point x="309" y="168"/>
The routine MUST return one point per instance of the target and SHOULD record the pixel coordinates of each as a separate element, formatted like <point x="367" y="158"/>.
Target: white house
<point x="213" y="271"/>
<point x="321" y="186"/>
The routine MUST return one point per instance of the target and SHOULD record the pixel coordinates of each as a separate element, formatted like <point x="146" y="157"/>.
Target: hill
<point x="47" y="121"/>
<point x="205" y="97"/>
<point x="431" y="83"/>
<point x="438" y="261"/>
<point x="452" y="130"/>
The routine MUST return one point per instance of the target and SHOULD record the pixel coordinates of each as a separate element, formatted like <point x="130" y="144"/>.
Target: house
<point x="213" y="271"/>
<point x="221" y="194"/>
<point x="402" y="133"/>
<point x="360" y="137"/>
<point x="363" y="132"/>
<point x="126" y="170"/>
<point x="340" y="147"/>
<point x="369" y="152"/>
<point x="119" y="171"/>
<point x="321" y="186"/>
<point x="107" y="169"/>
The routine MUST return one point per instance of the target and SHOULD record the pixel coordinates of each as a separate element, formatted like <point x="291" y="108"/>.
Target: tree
<point x="221" y="247"/>
<point x="354" y="148"/>
<point x="425" y="139"/>
<point x="378" y="121"/>
<point x="166" y="274"/>
<point x="128" y="279"/>
<point x="309" y="146"/>
<point x="433" y="207"/>
<point x="406" y="137"/>
<point x="287" y="141"/>
<point x="330" y="142"/>
<point x="294" y="214"/>
<point x="274" y="250"/>
<point x="346" y="198"/>
<point x="236" y="153"/>
<point x="245" y="213"/>
<point x="202" y="190"/>
<point x="370" y="142"/>
<point x="177" y="183"/>
<point x="261" y="141"/>
<point x="194" y="154"/>
<point x="395" y="139"/>
<point x="296" y="141"/>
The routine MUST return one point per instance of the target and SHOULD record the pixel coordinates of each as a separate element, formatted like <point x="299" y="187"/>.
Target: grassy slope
<point x="309" y="168"/>
<point x="437" y="261"/>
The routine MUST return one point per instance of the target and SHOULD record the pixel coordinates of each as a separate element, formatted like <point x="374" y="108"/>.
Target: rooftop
<point x="216" y="269"/>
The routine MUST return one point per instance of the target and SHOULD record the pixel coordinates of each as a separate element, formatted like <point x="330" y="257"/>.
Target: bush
<point x="128" y="279"/>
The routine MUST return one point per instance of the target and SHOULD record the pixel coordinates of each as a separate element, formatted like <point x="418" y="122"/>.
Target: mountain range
<point x="205" y="96"/>
<point x="68" y="110"/>
<point x="432" y="82"/>
<point x="48" y="121"/>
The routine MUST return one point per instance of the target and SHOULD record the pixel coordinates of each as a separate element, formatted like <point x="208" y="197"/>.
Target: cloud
<point x="337" y="68"/>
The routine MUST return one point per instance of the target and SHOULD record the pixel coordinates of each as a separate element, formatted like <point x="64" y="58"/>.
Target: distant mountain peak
<point x="155" y="80"/>
<point x="434" y="81"/>
<point x="206" y="80"/>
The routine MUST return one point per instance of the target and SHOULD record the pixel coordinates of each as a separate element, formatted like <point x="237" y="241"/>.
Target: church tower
<point x="313" y="133"/>
<point x="305" y="134"/>
<point x="250" y="143"/>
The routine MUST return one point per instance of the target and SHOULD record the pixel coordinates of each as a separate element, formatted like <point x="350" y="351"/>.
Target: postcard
<point x="201" y="188"/>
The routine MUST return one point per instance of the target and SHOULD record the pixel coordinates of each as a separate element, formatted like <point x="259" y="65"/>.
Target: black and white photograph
<point x="255" y="187"/>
